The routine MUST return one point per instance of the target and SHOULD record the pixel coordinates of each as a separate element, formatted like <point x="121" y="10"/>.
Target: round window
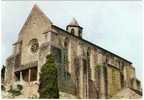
<point x="34" y="45"/>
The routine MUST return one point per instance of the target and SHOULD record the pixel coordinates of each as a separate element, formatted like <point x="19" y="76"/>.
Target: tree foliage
<point x="15" y="92"/>
<point x="48" y="87"/>
<point x="3" y="72"/>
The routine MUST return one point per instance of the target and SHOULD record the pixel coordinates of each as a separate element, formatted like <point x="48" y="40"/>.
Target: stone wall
<point x="36" y="24"/>
<point x="78" y="60"/>
<point x="114" y="81"/>
<point x="78" y="48"/>
<point x="129" y="74"/>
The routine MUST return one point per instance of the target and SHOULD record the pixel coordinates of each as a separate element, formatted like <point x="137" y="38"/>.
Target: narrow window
<point x="17" y="75"/>
<point x="56" y="52"/>
<point x="72" y="31"/>
<point x="66" y="42"/>
<point x="25" y="74"/>
<point x="84" y="66"/>
<point x="33" y="76"/>
<point x="80" y="32"/>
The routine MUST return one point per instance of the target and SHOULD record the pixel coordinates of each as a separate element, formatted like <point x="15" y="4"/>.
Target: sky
<point x="115" y="26"/>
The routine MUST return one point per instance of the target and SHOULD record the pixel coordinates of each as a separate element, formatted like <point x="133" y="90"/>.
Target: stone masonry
<point x="85" y="69"/>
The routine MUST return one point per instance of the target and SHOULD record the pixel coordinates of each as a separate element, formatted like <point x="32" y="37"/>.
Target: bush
<point x="33" y="97"/>
<point x="14" y="92"/>
<point x="48" y="87"/>
<point x="2" y="87"/>
<point x="20" y="87"/>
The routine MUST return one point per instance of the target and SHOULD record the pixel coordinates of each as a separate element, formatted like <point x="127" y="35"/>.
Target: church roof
<point x="36" y="11"/>
<point x="74" y="22"/>
<point x="92" y="44"/>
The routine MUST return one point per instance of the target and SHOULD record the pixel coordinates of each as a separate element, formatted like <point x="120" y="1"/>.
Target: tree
<point x="48" y="87"/>
<point x="3" y="72"/>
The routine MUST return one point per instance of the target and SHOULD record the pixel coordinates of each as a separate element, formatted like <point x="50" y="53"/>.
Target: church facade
<point x="85" y="70"/>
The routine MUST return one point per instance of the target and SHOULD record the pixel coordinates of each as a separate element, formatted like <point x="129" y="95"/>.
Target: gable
<point x="36" y="21"/>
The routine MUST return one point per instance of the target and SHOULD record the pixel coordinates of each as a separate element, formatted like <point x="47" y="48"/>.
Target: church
<point x="85" y="70"/>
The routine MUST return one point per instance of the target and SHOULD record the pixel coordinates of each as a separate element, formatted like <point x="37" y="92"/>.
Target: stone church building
<point x="85" y="70"/>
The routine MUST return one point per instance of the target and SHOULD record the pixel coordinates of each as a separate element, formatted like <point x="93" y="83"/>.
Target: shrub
<point x="48" y="87"/>
<point x="20" y="87"/>
<point x="2" y="87"/>
<point x="14" y="92"/>
<point x="34" y="97"/>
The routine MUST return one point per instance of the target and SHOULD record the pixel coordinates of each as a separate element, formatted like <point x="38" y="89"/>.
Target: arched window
<point x="88" y="51"/>
<point x="66" y="42"/>
<point x="65" y="50"/>
<point x="84" y="66"/>
<point x="72" y="31"/>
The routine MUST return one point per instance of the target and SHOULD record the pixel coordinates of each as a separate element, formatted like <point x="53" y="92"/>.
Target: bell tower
<point x="74" y="28"/>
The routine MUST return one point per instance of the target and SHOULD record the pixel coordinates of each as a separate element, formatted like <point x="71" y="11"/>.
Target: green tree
<point x="3" y="72"/>
<point x="48" y="87"/>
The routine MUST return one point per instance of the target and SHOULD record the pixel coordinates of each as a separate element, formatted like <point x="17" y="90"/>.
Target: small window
<point x="17" y="75"/>
<point x="66" y="42"/>
<point x="122" y="80"/>
<point x="72" y="31"/>
<point x="65" y="56"/>
<point x="80" y="31"/>
<point x="88" y="51"/>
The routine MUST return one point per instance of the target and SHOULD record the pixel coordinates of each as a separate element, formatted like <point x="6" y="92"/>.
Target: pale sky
<point x="115" y="26"/>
